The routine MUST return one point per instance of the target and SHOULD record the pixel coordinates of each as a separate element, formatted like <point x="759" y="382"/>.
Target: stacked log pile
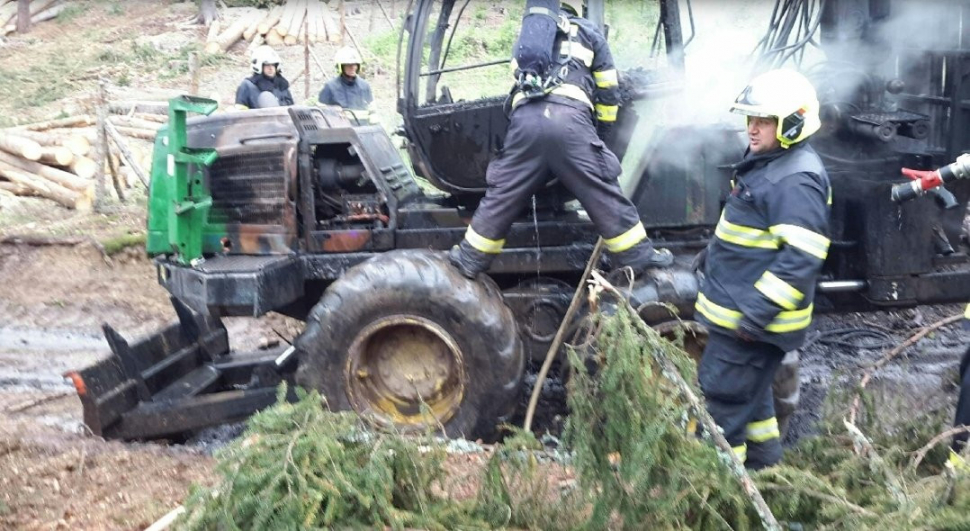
<point x="55" y="159"/>
<point x="288" y="24"/>
<point x="40" y="11"/>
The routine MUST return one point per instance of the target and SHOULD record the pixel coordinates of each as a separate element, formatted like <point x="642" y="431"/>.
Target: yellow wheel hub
<point x="405" y="371"/>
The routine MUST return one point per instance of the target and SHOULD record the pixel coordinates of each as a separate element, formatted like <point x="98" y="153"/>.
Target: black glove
<point x="603" y="130"/>
<point x="748" y="331"/>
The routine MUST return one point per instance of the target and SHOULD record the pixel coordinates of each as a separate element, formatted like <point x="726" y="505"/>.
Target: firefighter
<point x="762" y="263"/>
<point x="963" y="408"/>
<point x="348" y="90"/>
<point x="266" y="87"/>
<point x="555" y="135"/>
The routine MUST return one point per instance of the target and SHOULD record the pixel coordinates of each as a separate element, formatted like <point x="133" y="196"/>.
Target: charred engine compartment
<point x="345" y="195"/>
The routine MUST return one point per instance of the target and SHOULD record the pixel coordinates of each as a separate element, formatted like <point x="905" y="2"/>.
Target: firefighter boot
<point x="641" y="258"/>
<point x="468" y="260"/>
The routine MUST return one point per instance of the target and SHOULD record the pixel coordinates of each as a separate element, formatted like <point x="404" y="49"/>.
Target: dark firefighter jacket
<point x="768" y="248"/>
<point x="590" y="79"/>
<point x="249" y="89"/>
<point x="351" y="93"/>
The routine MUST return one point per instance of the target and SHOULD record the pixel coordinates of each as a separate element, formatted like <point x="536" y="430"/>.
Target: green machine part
<point x="179" y="202"/>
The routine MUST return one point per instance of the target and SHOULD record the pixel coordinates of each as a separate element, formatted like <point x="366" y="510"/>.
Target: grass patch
<point x="115" y="245"/>
<point x="71" y="12"/>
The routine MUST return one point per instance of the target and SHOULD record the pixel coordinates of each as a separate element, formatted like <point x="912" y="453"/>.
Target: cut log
<point x="213" y="33"/>
<point x="45" y="188"/>
<point x="318" y="33"/>
<point x="273" y="38"/>
<point x="77" y="143"/>
<point x="83" y="120"/>
<point x="157" y="118"/>
<point x="289" y="11"/>
<point x="56" y="155"/>
<point x="254" y="20"/>
<point x="145" y="134"/>
<point x="20" y="146"/>
<point x="229" y="37"/>
<point x="297" y="21"/>
<point x="271" y="20"/>
<point x="49" y="13"/>
<point x="16" y="189"/>
<point x="150" y="107"/>
<point x="61" y="177"/>
<point x="84" y="167"/>
<point x="333" y="29"/>
<point x="136" y="123"/>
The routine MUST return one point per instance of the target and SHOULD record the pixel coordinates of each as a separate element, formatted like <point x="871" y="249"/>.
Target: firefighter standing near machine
<point x="963" y="407"/>
<point x="552" y="133"/>
<point x="348" y="90"/>
<point x="266" y="87"/>
<point x="762" y="263"/>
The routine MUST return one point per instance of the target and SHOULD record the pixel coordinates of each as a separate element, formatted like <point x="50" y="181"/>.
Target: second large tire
<point x="406" y="341"/>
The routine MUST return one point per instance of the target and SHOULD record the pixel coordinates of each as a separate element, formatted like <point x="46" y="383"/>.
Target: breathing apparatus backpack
<point x="535" y="50"/>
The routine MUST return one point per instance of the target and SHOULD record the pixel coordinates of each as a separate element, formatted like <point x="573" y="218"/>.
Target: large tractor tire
<point x="407" y="342"/>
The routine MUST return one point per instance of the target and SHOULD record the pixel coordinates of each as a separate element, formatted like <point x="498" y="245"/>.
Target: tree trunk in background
<point x="207" y="12"/>
<point x="23" y="16"/>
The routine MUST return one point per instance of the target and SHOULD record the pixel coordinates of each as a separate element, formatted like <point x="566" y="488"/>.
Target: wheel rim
<point x="405" y="371"/>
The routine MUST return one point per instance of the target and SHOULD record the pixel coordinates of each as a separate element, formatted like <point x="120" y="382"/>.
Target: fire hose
<point x="922" y="181"/>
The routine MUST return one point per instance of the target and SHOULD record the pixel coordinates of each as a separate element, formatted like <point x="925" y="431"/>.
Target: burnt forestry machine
<point x="298" y="211"/>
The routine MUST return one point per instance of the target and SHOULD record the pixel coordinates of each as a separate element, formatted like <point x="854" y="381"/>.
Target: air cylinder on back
<point x="534" y="49"/>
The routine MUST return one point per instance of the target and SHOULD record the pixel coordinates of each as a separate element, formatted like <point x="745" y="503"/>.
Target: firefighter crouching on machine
<point x="552" y="133"/>
<point x="266" y="87"/>
<point x="348" y="90"/>
<point x="763" y="261"/>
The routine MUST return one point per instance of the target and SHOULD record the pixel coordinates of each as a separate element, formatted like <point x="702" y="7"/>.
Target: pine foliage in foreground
<point x="637" y="466"/>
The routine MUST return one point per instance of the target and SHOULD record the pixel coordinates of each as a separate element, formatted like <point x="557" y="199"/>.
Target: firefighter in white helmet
<point x="348" y="90"/>
<point x="266" y="87"/>
<point x="763" y="262"/>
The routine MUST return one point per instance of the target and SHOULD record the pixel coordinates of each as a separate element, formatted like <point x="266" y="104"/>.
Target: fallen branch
<point x="711" y="429"/>
<point x="918" y="457"/>
<point x="923" y="332"/>
<point x="820" y="496"/>
<point x="125" y="153"/>
<point x="24" y="406"/>
<point x="83" y="120"/>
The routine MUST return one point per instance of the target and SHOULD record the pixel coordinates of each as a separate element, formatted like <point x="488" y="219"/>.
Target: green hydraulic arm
<point x="189" y="199"/>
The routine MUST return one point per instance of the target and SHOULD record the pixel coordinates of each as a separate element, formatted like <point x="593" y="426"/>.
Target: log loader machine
<point x="299" y="211"/>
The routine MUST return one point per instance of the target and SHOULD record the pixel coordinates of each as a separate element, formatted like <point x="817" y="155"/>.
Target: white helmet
<point x="264" y="55"/>
<point x="347" y="55"/>
<point x="575" y="6"/>
<point x="787" y="96"/>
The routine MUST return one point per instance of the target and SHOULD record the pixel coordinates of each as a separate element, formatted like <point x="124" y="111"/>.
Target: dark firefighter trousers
<point x="549" y="139"/>
<point x="963" y="404"/>
<point x="736" y="378"/>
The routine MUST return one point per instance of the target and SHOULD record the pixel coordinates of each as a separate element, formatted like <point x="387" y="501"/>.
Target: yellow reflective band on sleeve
<point x="576" y="49"/>
<point x="606" y="78"/>
<point x="791" y="321"/>
<point x="482" y="243"/>
<point x="626" y="240"/>
<point x="744" y="236"/>
<point x="741" y="452"/>
<point x="514" y="65"/>
<point x="829" y="200"/>
<point x="606" y="113"/>
<point x="802" y="239"/>
<point x="779" y="291"/>
<point x="241" y="107"/>
<point x="958" y="462"/>
<point x="763" y="430"/>
<point x="785" y="321"/>
<point x="719" y="315"/>
<point x="569" y="91"/>
<point x="966" y="313"/>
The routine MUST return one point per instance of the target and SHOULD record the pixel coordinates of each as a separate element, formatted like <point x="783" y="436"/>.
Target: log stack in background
<point x="287" y="24"/>
<point x="54" y="159"/>
<point x="40" y="11"/>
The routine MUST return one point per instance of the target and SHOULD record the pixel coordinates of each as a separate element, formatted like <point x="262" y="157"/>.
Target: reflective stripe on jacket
<point x="590" y="75"/>
<point x="769" y="246"/>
